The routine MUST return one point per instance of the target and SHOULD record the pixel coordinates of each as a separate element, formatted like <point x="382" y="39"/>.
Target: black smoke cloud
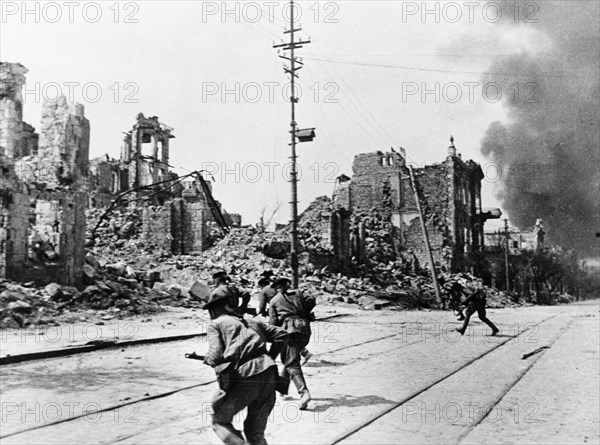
<point x="549" y="149"/>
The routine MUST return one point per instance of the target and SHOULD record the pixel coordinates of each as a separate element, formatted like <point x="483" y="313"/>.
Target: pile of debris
<point x="125" y="275"/>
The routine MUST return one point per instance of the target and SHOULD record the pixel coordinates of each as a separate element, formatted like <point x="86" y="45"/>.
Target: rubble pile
<point x="118" y="235"/>
<point x="125" y="275"/>
<point x="309" y="234"/>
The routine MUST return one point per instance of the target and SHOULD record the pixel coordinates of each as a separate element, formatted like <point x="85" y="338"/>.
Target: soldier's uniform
<point x="293" y="311"/>
<point x="242" y="343"/>
<point x="476" y="303"/>
<point x="239" y="297"/>
<point x="265" y="296"/>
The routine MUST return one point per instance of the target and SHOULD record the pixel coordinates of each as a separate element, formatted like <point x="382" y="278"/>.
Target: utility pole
<point x="291" y="46"/>
<point x="506" y="268"/>
<point x="436" y="286"/>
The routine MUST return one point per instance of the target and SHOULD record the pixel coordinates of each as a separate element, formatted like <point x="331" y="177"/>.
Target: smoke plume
<point x="549" y="150"/>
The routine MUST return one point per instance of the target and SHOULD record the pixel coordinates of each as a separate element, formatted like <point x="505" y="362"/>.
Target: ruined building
<point x="144" y="161"/>
<point x="379" y="195"/>
<point x="43" y="186"/>
<point x="47" y="182"/>
<point x="179" y="216"/>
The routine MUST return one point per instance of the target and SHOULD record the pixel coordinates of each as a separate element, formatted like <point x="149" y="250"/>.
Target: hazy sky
<point x="362" y="81"/>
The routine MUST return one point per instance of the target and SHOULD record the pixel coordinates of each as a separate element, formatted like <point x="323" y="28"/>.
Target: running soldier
<point x="292" y="310"/>
<point x="265" y="295"/>
<point x="476" y="303"/>
<point x="246" y="373"/>
<point x="221" y="278"/>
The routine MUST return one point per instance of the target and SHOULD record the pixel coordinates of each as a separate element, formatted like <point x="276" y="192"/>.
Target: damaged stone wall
<point x="376" y="183"/>
<point x="14" y="221"/>
<point x="17" y="138"/>
<point x="176" y="215"/>
<point x="147" y="138"/>
<point x="451" y="201"/>
<point x="434" y="191"/>
<point x="44" y="188"/>
<point x="144" y="161"/>
<point x="180" y="226"/>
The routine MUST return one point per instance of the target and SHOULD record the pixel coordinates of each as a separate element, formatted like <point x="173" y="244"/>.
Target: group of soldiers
<point x="246" y="370"/>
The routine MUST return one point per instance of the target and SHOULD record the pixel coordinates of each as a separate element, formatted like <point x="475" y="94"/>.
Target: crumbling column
<point x="12" y="79"/>
<point x="63" y="154"/>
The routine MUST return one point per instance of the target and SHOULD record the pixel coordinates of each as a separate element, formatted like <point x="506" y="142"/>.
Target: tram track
<point x="489" y="407"/>
<point x="340" y="438"/>
<point x="108" y="345"/>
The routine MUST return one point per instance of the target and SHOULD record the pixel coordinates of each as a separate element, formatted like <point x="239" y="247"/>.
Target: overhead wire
<point x="433" y="70"/>
<point x="359" y="101"/>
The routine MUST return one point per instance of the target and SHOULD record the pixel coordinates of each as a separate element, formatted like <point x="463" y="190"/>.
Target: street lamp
<point x="305" y="134"/>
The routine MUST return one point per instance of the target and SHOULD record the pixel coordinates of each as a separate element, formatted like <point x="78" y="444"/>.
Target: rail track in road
<point x="489" y="406"/>
<point x="348" y="433"/>
<point x="98" y="345"/>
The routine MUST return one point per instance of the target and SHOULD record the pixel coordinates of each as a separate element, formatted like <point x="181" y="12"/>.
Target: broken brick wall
<point x="341" y="195"/>
<point x="433" y="186"/>
<point x="156" y="226"/>
<point x="376" y="183"/>
<point x="44" y="195"/>
<point x="451" y="201"/>
<point x="179" y="226"/>
<point x="14" y="221"/>
<point x="56" y="236"/>
<point x="467" y="224"/>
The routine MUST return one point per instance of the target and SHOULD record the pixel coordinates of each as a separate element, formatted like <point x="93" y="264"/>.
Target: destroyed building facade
<point x="380" y="195"/>
<point x="47" y="182"/>
<point x="43" y="186"/>
<point x="179" y="216"/>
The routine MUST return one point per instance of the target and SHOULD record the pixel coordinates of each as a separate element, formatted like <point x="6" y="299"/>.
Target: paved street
<point x="377" y="377"/>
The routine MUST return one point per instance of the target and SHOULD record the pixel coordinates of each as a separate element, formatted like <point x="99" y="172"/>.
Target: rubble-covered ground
<point x="125" y="275"/>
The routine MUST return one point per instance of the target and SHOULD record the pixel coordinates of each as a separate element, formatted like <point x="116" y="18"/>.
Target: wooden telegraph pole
<point x="413" y="183"/>
<point x="506" y="265"/>
<point x="291" y="46"/>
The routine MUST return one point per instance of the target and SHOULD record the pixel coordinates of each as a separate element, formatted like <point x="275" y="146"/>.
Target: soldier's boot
<point x="300" y="383"/>
<point x="304" y="400"/>
<point x="467" y="317"/>
<point x="306" y="354"/>
<point x="228" y="434"/>
<point x="495" y="329"/>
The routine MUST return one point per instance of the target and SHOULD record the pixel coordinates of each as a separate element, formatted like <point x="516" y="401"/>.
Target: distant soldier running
<point x="455" y="292"/>
<point x="476" y="303"/>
